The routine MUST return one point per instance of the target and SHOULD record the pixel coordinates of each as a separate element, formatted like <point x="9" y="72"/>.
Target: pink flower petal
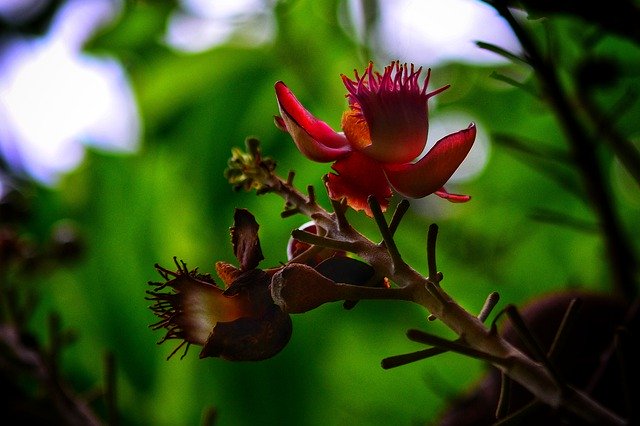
<point x="314" y="138"/>
<point x="280" y="124"/>
<point x="454" y="198"/>
<point x="358" y="177"/>
<point x="431" y="172"/>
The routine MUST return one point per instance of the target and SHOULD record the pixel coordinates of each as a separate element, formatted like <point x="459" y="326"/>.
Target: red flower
<point x="384" y="131"/>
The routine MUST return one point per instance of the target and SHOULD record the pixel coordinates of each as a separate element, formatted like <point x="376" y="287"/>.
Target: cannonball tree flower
<point x="238" y="323"/>
<point x="384" y="132"/>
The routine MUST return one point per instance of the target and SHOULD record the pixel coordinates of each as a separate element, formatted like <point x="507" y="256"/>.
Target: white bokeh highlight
<point x="435" y="32"/>
<point x="54" y="99"/>
<point x="204" y="24"/>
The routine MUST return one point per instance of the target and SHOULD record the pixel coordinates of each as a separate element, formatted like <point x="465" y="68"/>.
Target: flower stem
<point x="355" y="292"/>
<point x="317" y="240"/>
<point x="431" y="252"/>
<point x="398" y="214"/>
<point x="387" y="235"/>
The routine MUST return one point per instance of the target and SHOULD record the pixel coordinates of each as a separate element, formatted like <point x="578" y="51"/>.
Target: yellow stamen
<point x="356" y="129"/>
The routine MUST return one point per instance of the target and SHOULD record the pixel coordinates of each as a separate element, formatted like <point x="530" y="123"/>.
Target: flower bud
<point x="298" y="288"/>
<point x="296" y="248"/>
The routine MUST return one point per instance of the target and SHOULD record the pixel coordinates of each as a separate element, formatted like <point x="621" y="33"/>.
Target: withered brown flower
<point x="239" y="322"/>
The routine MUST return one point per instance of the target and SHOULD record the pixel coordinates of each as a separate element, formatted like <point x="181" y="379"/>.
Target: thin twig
<point x="404" y="359"/>
<point x="454" y="346"/>
<point x="317" y="240"/>
<point x="399" y="360"/>
<point x="339" y="209"/>
<point x="387" y="236"/>
<point x="312" y="194"/>
<point x="490" y="303"/>
<point x="502" y="52"/>
<point x="504" y="401"/>
<point x="532" y="344"/>
<point x="356" y="292"/>
<point x="398" y="214"/>
<point x="432" y="236"/>
<point x="516" y="418"/>
<point x="569" y="318"/>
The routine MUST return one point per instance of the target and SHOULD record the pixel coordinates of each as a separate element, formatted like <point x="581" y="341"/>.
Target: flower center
<point x="392" y="107"/>
<point x="356" y="129"/>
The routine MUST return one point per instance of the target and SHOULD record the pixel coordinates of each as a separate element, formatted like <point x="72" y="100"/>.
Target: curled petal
<point x="314" y="138"/>
<point x="358" y="177"/>
<point x="244" y="237"/>
<point x="280" y="124"/>
<point x="431" y="172"/>
<point x="454" y="198"/>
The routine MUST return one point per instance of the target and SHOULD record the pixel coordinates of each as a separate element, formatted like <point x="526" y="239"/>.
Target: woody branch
<point x="426" y="291"/>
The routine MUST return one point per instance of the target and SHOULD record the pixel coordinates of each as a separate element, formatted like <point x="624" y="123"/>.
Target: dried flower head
<point x="239" y="322"/>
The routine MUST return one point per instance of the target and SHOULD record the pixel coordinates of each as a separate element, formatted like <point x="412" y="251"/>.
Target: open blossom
<point x="238" y="323"/>
<point x="384" y="132"/>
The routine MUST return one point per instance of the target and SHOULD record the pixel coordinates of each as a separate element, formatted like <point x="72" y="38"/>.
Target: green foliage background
<point x="171" y="199"/>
